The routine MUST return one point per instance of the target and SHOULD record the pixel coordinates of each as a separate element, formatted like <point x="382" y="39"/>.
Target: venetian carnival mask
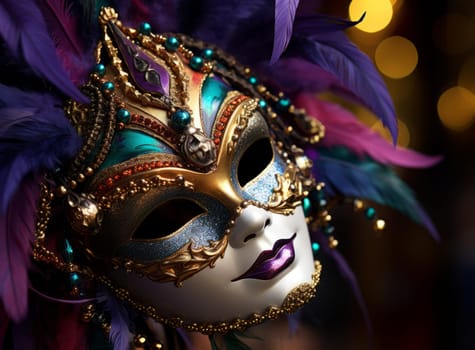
<point x="187" y="193"/>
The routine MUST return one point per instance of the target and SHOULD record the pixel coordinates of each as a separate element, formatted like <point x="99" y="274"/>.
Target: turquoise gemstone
<point x="100" y="69"/>
<point x="283" y="104"/>
<point x="145" y="28"/>
<point x="74" y="277"/>
<point x="68" y="252"/>
<point x="108" y="86"/>
<point x="172" y="44"/>
<point x="370" y="213"/>
<point x="123" y="115"/>
<point x="329" y="229"/>
<point x="253" y="80"/>
<point x="196" y="63"/>
<point x="180" y="119"/>
<point x="207" y="54"/>
<point x="262" y="104"/>
<point x="315" y="247"/>
<point x="307" y="206"/>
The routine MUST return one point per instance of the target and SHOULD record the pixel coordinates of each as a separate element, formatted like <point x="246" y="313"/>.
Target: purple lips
<point x="271" y="262"/>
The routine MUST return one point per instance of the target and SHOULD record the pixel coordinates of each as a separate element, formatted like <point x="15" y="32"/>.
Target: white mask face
<point x="268" y="255"/>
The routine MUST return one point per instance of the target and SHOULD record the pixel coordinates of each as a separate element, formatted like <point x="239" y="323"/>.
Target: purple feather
<point x="120" y="334"/>
<point x="295" y="75"/>
<point x="247" y="33"/>
<point x="62" y="24"/>
<point x="31" y="139"/>
<point x="23" y="28"/>
<point x="284" y="20"/>
<point x="17" y="228"/>
<point x="343" y="129"/>
<point x="328" y="47"/>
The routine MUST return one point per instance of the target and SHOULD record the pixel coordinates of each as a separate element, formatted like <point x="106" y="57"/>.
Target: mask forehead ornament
<point x="166" y="180"/>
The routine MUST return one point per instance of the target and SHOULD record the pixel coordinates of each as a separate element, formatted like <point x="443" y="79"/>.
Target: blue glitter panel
<point x="213" y="93"/>
<point x="204" y="228"/>
<point x="260" y="189"/>
<point x="128" y="144"/>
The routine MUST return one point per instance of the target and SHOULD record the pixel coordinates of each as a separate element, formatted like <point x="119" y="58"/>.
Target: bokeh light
<point x="378" y="14"/>
<point x="396" y="57"/>
<point x="456" y="108"/>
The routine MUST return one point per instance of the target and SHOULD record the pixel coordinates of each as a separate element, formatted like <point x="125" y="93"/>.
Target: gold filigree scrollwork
<point x="241" y="121"/>
<point x="289" y="191"/>
<point x="179" y="266"/>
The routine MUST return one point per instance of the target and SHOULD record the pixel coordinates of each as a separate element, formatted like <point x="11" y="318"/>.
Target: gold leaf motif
<point x="178" y="267"/>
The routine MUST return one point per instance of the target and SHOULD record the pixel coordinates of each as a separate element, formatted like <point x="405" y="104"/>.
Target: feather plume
<point x="120" y="335"/>
<point x="329" y="48"/>
<point x="284" y="20"/>
<point x="17" y="227"/>
<point x="295" y="75"/>
<point x="32" y="139"/>
<point x="347" y="174"/>
<point x="245" y="19"/>
<point x="62" y="25"/>
<point x="24" y="30"/>
<point x="343" y="129"/>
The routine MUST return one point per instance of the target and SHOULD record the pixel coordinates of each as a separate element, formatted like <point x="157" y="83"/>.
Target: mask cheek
<point x="205" y="297"/>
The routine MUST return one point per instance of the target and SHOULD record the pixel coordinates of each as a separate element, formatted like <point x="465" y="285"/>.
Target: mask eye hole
<point x="167" y="218"/>
<point x="254" y="160"/>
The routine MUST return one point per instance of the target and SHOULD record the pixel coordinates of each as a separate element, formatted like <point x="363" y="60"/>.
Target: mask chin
<point x="267" y="266"/>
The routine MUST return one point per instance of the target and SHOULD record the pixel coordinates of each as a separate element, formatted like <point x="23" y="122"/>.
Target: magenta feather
<point x="70" y="333"/>
<point x="62" y="25"/>
<point x="17" y="228"/>
<point x="25" y="32"/>
<point x="343" y="129"/>
<point x="284" y="21"/>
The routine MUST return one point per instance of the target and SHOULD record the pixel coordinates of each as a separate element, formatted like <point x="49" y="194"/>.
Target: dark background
<point x="420" y="293"/>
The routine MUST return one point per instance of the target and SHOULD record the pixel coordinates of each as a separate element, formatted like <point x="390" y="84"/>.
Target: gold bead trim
<point x="296" y="298"/>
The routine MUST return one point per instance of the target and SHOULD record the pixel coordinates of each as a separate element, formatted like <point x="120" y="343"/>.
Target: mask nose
<point x="250" y="224"/>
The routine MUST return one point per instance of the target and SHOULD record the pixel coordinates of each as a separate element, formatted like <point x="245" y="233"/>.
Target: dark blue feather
<point x="347" y="174"/>
<point x="326" y="45"/>
<point x="25" y="32"/>
<point x="247" y="31"/>
<point x="17" y="232"/>
<point x="120" y="334"/>
<point x="32" y="139"/>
